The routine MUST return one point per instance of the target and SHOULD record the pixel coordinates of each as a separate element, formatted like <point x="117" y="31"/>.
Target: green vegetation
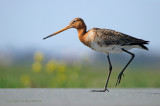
<point x="54" y="74"/>
<point x="73" y="76"/>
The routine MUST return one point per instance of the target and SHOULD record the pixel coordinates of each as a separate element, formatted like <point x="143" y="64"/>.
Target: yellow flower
<point x="25" y="80"/>
<point x="36" y="66"/>
<point x="38" y="56"/>
<point x="60" y="79"/>
<point x="62" y="68"/>
<point x="50" y="66"/>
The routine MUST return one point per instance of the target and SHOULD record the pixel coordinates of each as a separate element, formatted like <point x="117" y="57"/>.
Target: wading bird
<point x="106" y="41"/>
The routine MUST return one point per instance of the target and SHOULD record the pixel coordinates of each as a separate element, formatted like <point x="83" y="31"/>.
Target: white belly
<point x="114" y="49"/>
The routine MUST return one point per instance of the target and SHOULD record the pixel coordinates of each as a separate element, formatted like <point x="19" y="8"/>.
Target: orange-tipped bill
<point x="58" y="32"/>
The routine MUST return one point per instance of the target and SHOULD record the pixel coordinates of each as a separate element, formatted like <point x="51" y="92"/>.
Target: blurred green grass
<point x="75" y="76"/>
<point x="57" y="74"/>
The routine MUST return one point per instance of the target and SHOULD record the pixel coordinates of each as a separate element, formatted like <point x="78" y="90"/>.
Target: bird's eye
<point x="74" y="21"/>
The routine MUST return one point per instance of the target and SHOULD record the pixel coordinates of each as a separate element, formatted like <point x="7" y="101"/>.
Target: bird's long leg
<point x="110" y="70"/>
<point x="121" y="73"/>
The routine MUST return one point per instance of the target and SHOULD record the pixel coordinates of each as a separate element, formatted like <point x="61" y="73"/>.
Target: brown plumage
<point x="106" y="41"/>
<point x="111" y="37"/>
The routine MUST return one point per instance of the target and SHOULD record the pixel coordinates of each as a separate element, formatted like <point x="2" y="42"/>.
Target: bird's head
<point x="77" y="23"/>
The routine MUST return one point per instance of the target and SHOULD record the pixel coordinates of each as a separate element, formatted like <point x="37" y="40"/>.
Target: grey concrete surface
<point x="79" y="97"/>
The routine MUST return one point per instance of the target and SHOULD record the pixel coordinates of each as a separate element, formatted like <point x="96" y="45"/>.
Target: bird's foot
<point x="99" y="90"/>
<point x="119" y="78"/>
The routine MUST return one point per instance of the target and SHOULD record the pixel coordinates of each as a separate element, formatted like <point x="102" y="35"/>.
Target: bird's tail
<point x="142" y="45"/>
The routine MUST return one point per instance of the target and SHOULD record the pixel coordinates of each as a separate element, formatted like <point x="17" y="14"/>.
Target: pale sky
<point x="24" y="23"/>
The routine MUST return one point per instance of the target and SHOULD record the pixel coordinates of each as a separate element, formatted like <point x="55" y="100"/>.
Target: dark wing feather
<point x="111" y="37"/>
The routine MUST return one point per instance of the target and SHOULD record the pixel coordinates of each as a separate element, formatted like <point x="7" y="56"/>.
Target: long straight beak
<point x="67" y="27"/>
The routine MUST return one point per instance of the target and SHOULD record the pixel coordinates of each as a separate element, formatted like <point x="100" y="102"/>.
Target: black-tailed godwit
<point x="106" y="41"/>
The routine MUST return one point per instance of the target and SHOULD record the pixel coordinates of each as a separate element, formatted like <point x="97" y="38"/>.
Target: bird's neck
<point x="81" y="33"/>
